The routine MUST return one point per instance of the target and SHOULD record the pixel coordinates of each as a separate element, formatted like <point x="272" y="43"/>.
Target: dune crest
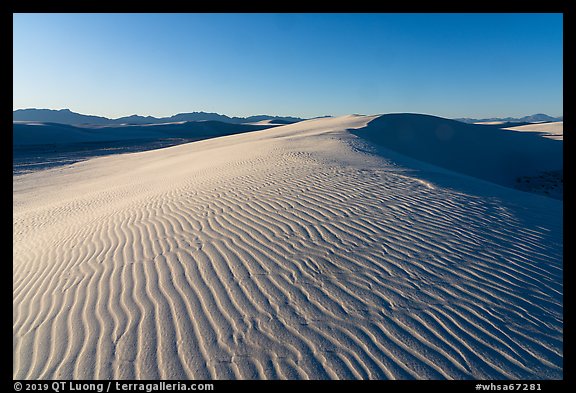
<point x="287" y="253"/>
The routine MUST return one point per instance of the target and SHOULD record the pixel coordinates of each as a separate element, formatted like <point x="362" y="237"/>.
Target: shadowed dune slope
<point x="486" y="152"/>
<point x="55" y="133"/>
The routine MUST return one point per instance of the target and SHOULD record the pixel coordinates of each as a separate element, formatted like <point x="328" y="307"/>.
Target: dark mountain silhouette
<point x="62" y="116"/>
<point x="538" y="117"/>
<point x="276" y="119"/>
<point x="65" y="116"/>
<point x="135" y="119"/>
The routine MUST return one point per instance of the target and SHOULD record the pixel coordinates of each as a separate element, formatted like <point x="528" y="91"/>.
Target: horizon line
<point x="265" y="114"/>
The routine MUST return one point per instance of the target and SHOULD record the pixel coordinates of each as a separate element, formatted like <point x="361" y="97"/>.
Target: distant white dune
<point x="553" y="130"/>
<point x="271" y="122"/>
<point x="53" y="133"/>
<point x="35" y="133"/>
<point x="301" y="251"/>
<point x="490" y="123"/>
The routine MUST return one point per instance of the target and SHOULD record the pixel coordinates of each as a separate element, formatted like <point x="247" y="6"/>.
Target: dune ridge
<point x="287" y="253"/>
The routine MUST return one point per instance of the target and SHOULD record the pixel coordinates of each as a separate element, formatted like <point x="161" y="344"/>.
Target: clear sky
<point x="306" y="65"/>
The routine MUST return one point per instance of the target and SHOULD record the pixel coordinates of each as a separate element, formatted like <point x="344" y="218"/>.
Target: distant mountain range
<point x="66" y="116"/>
<point x="538" y="117"/>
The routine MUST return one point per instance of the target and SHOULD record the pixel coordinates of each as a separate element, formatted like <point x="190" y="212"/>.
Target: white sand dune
<point x="296" y="252"/>
<point x="270" y="122"/>
<point x="490" y="123"/>
<point x="488" y="153"/>
<point x="552" y="130"/>
<point x="34" y="133"/>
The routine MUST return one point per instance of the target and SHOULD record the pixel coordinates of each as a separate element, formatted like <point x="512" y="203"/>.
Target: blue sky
<point x="450" y="65"/>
